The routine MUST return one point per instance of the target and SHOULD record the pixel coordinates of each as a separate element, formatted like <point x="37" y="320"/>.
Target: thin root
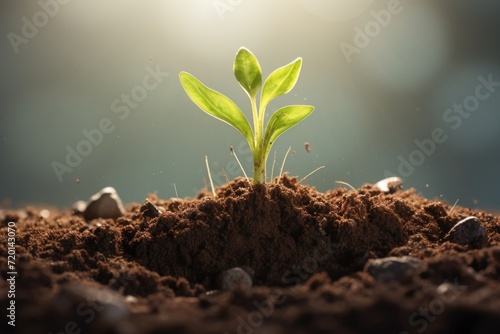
<point x="346" y="184"/>
<point x="210" y="176"/>
<point x="283" y="164"/>
<point x="311" y="173"/>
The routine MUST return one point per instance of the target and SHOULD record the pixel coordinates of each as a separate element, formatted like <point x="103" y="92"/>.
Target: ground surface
<point x="309" y="255"/>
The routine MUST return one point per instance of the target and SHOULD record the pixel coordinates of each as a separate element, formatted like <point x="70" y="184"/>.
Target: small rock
<point x="105" y="204"/>
<point x="45" y="213"/>
<point x="212" y="292"/>
<point x="149" y="209"/>
<point x="393" y="268"/>
<point x="468" y="232"/>
<point x="451" y="289"/>
<point x="444" y="288"/>
<point x="79" y="207"/>
<point x="390" y="185"/>
<point x="131" y="299"/>
<point x="232" y="278"/>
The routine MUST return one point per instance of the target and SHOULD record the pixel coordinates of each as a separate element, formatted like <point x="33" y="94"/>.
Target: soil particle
<point x="149" y="270"/>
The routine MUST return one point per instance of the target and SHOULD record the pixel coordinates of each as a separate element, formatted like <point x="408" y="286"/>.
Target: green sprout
<point x="247" y="71"/>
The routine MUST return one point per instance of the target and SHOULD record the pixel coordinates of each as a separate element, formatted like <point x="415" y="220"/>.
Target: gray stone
<point x="105" y="204"/>
<point x="393" y="268"/>
<point x="233" y="278"/>
<point x="390" y="185"/>
<point x="468" y="232"/>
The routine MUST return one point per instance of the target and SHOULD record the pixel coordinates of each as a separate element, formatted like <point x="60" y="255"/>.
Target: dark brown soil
<point x="306" y="251"/>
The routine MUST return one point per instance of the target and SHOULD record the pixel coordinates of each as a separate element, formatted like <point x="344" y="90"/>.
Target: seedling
<point x="248" y="73"/>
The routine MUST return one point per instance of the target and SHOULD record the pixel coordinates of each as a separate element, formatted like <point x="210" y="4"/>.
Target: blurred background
<point x="90" y="95"/>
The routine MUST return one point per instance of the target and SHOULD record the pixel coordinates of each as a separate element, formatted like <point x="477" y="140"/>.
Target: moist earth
<point x="370" y="260"/>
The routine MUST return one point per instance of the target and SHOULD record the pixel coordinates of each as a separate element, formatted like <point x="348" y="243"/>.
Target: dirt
<point x="155" y="269"/>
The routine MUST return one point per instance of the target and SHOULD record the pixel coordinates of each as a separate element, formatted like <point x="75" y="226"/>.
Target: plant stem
<point x="259" y="170"/>
<point x="259" y="159"/>
<point x="256" y="126"/>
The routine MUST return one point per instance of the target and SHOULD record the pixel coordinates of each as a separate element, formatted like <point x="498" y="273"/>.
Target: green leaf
<point x="282" y="120"/>
<point x="247" y="71"/>
<point x="216" y="105"/>
<point x="280" y="82"/>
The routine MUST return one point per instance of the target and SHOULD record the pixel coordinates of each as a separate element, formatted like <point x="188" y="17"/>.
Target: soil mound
<point x="309" y="254"/>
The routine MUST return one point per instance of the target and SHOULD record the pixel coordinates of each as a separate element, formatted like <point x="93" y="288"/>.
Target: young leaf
<point x="247" y="71"/>
<point x="282" y="120"/>
<point x="280" y="82"/>
<point x="216" y="105"/>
